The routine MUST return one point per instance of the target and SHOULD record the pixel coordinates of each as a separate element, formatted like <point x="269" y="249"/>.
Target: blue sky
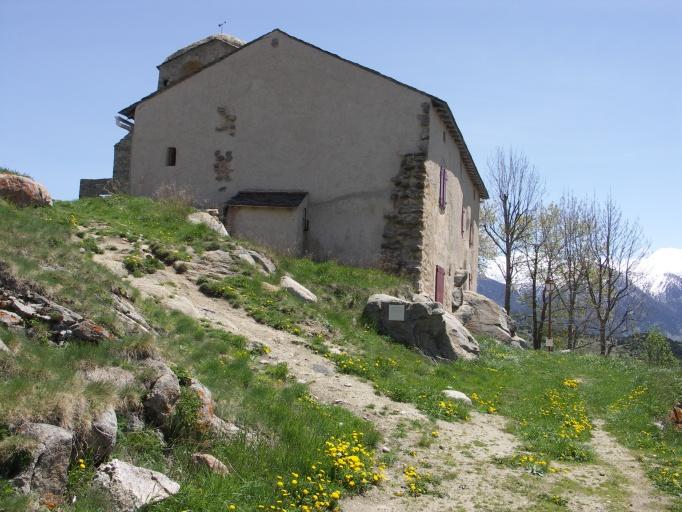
<point x="591" y="91"/>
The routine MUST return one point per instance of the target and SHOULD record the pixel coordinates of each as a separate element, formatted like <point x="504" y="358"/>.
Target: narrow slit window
<point x="171" y="154"/>
<point x="471" y="233"/>
<point x="462" y="221"/>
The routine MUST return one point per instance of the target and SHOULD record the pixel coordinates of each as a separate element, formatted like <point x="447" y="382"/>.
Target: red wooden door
<point x="440" y="283"/>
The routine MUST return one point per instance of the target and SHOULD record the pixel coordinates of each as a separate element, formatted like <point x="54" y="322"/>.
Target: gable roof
<point x="273" y="199"/>
<point x="441" y="106"/>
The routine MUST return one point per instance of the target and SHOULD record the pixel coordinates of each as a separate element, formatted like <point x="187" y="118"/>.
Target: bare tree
<point x="615" y="247"/>
<point x="573" y="228"/>
<point x="541" y="249"/>
<point x="515" y="191"/>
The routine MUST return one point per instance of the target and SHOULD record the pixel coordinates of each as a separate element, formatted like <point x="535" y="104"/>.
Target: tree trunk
<point x="508" y="284"/>
<point x="602" y="338"/>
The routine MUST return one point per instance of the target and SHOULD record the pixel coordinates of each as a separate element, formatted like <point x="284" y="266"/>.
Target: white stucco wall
<point x="444" y="243"/>
<point x="304" y="121"/>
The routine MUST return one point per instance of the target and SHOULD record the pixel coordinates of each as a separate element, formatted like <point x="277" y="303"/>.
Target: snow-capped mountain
<point x="662" y="272"/>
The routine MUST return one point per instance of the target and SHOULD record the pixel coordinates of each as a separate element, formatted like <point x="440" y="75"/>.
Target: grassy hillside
<point x="551" y="400"/>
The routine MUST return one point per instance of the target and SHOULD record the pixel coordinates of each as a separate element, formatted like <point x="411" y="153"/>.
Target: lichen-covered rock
<point x="422" y="324"/>
<point x="209" y="221"/>
<point x="485" y="317"/>
<point x="207" y="420"/>
<point x="205" y="460"/>
<point x="47" y="470"/>
<point x="132" y="487"/>
<point x="297" y="289"/>
<point x="87" y="330"/>
<point x="9" y="319"/>
<point x="23" y="191"/>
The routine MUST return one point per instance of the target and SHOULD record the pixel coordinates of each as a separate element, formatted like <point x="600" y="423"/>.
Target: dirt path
<point x="460" y="458"/>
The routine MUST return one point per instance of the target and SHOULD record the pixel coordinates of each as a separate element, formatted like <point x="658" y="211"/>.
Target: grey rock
<point x="425" y="327"/>
<point x="459" y="277"/>
<point x="129" y="316"/>
<point x="100" y="440"/>
<point x="485" y="317"/>
<point x="205" y="460"/>
<point x="47" y="471"/>
<point x="162" y="397"/>
<point x="457" y="298"/>
<point x="457" y="395"/>
<point x="132" y="487"/>
<point x="209" y="221"/>
<point x="23" y="310"/>
<point x="246" y="257"/>
<point x="297" y="289"/>
<point x="265" y="262"/>
<point x="4" y="348"/>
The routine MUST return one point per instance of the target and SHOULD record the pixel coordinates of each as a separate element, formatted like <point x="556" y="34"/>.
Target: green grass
<point x="524" y="386"/>
<point x="40" y="383"/>
<point x="553" y="419"/>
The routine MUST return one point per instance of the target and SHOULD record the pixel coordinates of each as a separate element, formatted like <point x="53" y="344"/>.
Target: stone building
<point x="311" y="154"/>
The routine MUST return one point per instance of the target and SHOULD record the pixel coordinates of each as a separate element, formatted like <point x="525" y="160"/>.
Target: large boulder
<point x="422" y="324"/>
<point x="23" y="191"/>
<point x="209" y="221"/>
<point x="132" y="487"/>
<point x="47" y="469"/>
<point x="485" y="317"/>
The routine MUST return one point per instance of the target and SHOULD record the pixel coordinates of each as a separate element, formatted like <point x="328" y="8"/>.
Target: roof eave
<point x="446" y="115"/>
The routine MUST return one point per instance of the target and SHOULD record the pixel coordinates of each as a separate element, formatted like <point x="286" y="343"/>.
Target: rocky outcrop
<point x="421" y="324"/>
<point x="209" y="462"/>
<point x="47" y="469"/>
<point x="484" y="317"/>
<point x="131" y="487"/>
<point x="23" y="191"/>
<point x="22" y="304"/>
<point x="209" y="221"/>
<point x="297" y="289"/>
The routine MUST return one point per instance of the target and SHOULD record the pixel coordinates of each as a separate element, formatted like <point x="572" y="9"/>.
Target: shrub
<point x="657" y="350"/>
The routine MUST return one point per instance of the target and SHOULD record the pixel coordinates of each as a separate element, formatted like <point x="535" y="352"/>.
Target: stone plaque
<point x="396" y="312"/>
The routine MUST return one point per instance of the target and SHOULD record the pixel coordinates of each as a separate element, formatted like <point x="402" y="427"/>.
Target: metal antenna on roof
<point x="221" y="25"/>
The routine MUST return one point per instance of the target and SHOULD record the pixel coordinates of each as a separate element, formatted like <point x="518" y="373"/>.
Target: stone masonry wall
<point x="94" y="187"/>
<point x="403" y="232"/>
<point x="121" y="176"/>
